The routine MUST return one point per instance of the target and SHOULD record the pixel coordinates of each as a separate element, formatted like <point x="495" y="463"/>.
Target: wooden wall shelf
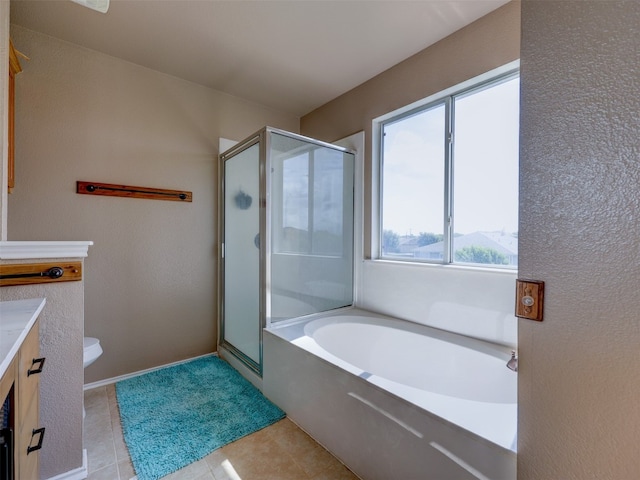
<point x="32" y="273"/>
<point x="112" y="190"/>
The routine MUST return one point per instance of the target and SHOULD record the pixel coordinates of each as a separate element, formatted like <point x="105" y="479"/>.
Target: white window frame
<point x="500" y="74"/>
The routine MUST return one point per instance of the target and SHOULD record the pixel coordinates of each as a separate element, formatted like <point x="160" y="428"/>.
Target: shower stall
<point x="286" y="230"/>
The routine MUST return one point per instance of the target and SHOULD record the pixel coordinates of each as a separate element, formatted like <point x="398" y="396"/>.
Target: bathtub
<point x="393" y="399"/>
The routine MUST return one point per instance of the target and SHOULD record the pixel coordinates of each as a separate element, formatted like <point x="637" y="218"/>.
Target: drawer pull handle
<point x="32" y="370"/>
<point x="36" y="431"/>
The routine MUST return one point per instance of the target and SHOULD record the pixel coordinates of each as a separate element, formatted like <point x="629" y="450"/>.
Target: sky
<point x="485" y="165"/>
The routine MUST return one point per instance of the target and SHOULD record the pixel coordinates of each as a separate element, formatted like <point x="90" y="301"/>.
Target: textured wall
<point x="579" y="377"/>
<point x="150" y="286"/>
<point x="61" y="392"/>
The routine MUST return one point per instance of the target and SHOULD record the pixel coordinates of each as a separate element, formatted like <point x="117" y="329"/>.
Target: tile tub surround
<point x="279" y="452"/>
<point x="16" y="319"/>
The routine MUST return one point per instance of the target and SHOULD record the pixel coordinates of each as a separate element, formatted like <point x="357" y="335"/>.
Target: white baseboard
<point x="109" y="381"/>
<point x="77" y="473"/>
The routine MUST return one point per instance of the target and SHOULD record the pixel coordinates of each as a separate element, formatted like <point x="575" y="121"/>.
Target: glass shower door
<point x="310" y="227"/>
<point x="241" y="331"/>
<point x="287" y="236"/>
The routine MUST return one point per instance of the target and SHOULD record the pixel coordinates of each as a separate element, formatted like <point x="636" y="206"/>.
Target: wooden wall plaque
<point x="113" y="190"/>
<point x="33" y="273"/>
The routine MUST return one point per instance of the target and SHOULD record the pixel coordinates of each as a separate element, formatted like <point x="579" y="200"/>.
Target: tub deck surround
<point x="16" y="319"/>
<point x="458" y="420"/>
<point x="470" y="301"/>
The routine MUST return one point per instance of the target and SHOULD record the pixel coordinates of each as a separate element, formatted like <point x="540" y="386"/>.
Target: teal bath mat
<point x="178" y="415"/>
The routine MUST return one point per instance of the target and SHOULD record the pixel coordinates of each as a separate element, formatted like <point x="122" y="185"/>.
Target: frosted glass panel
<point x="242" y="256"/>
<point x="311" y="227"/>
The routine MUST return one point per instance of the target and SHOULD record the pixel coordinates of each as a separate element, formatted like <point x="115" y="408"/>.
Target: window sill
<point x="445" y="266"/>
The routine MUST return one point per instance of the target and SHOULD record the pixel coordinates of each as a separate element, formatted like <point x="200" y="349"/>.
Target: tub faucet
<point x="513" y="363"/>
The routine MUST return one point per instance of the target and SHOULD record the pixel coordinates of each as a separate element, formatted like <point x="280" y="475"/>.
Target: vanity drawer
<point x="29" y="437"/>
<point x="30" y="366"/>
<point x="29" y="376"/>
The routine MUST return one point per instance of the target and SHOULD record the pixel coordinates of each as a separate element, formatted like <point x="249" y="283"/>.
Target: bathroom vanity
<point x="20" y="368"/>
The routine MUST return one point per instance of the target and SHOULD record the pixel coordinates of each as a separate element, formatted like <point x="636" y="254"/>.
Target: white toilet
<point x="92" y="350"/>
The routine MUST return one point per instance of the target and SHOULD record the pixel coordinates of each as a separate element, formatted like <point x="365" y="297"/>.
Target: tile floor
<point x="279" y="452"/>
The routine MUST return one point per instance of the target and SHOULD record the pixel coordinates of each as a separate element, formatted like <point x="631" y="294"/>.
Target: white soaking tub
<point x="394" y="399"/>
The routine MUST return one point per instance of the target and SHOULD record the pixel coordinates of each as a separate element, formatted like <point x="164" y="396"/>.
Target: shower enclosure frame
<point x="263" y="138"/>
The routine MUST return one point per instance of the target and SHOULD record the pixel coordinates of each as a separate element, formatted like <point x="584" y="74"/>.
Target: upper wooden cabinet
<point x="14" y="69"/>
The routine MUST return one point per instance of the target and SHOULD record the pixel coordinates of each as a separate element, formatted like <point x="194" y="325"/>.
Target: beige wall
<point x="579" y="414"/>
<point x="488" y="43"/>
<point x="150" y="277"/>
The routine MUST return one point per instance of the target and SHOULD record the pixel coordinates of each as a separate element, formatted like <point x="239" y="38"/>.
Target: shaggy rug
<point x="177" y="415"/>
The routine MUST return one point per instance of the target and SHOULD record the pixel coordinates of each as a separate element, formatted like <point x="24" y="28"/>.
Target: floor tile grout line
<point x="104" y="394"/>
<point x="272" y="433"/>
<point x="113" y="440"/>
<point x="113" y="443"/>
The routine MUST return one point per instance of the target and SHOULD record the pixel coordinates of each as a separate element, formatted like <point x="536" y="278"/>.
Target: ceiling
<point x="292" y="55"/>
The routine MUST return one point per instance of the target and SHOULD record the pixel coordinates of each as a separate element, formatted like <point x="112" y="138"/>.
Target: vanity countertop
<point x="16" y="319"/>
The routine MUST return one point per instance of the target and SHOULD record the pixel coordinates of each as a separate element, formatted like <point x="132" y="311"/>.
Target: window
<point x="449" y="178"/>
<point x="314" y="187"/>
